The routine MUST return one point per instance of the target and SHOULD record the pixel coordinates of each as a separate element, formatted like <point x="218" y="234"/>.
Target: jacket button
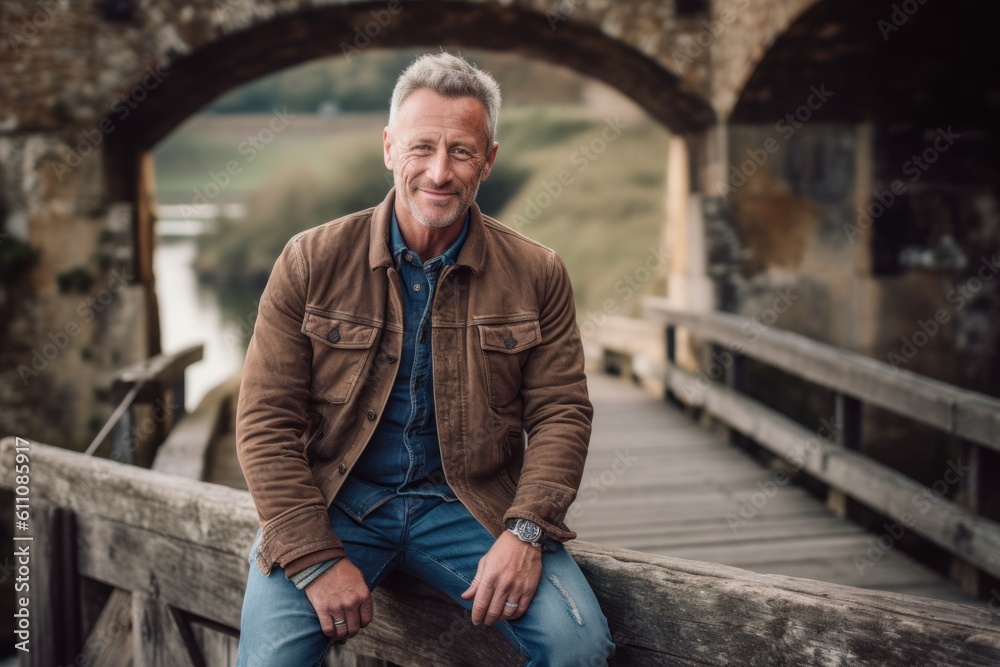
<point x="371" y="415"/>
<point x="391" y="358"/>
<point x="342" y="468"/>
<point x="333" y="336"/>
<point x="510" y="343"/>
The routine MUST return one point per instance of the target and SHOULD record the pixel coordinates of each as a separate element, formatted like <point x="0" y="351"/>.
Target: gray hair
<point x="449" y="76"/>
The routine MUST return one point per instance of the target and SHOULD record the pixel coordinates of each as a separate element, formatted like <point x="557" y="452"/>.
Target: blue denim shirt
<point x="403" y="456"/>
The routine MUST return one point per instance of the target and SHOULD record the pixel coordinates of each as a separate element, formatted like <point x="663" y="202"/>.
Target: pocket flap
<point x="338" y="332"/>
<point x="510" y="337"/>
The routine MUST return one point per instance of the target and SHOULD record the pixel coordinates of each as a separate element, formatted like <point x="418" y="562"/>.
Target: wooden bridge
<point x="147" y="567"/>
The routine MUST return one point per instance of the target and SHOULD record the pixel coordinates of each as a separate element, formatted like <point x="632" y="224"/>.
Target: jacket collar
<point x="472" y="255"/>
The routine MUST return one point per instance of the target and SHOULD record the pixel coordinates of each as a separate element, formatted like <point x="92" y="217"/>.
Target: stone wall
<point x="74" y="315"/>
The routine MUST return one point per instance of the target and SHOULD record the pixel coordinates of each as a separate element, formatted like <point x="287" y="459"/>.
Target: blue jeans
<point x="440" y="543"/>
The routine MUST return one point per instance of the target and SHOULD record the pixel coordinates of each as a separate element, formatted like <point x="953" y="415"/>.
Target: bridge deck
<point x="657" y="482"/>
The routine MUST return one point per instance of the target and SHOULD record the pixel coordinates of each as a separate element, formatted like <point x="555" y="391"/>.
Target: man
<point x="400" y="355"/>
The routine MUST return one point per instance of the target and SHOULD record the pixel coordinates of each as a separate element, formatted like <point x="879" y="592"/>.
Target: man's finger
<point x="327" y="621"/>
<point x="353" y="618"/>
<point x="496" y="606"/>
<point x="522" y="605"/>
<point x="481" y="605"/>
<point x="511" y="609"/>
<point x="366" y="612"/>
<point x="471" y="591"/>
<point x="473" y="588"/>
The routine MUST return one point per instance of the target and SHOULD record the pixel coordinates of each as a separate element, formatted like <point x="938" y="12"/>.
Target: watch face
<point x="528" y="531"/>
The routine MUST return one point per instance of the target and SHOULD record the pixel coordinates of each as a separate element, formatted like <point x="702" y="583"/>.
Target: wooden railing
<point x="157" y="382"/>
<point x="831" y="458"/>
<point x="176" y="549"/>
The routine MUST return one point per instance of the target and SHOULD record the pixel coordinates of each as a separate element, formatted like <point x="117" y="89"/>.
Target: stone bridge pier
<point x="832" y="169"/>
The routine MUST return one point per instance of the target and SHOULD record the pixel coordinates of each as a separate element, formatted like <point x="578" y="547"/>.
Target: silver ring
<point x="339" y="623"/>
<point x="510" y="605"/>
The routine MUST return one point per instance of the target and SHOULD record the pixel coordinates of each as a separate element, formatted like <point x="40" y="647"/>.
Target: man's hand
<point x="509" y="572"/>
<point x="341" y="593"/>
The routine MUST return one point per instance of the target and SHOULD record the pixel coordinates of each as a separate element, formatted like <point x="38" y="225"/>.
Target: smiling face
<point x="438" y="153"/>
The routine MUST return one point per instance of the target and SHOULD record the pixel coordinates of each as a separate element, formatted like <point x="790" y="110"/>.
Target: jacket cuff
<point x="546" y="506"/>
<point x="295" y="535"/>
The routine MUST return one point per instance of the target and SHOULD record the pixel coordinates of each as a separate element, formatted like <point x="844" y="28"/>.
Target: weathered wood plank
<point x="969" y="414"/>
<point x="193" y="577"/>
<point x="110" y="642"/>
<point x="895" y="573"/>
<point x="196" y="512"/>
<point x="662" y="610"/>
<point x="210" y="584"/>
<point x="701" y="613"/>
<point x="642" y="538"/>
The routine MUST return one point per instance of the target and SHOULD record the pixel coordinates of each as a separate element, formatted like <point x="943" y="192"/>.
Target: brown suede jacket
<point x="507" y="360"/>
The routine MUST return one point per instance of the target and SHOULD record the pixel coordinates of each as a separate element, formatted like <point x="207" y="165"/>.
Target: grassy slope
<point x="602" y="224"/>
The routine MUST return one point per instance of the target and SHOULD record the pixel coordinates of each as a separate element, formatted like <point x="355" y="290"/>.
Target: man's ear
<point x="491" y="157"/>
<point x="387" y="148"/>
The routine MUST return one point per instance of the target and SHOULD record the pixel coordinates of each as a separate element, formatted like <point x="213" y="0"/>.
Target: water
<point x="191" y="313"/>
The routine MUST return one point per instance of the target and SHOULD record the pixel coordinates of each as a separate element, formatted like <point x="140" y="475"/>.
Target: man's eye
<point x="461" y="152"/>
<point x="422" y="148"/>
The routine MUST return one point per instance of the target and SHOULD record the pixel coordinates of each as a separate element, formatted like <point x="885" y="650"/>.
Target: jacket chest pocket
<point x="340" y="348"/>
<point x="505" y="348"/>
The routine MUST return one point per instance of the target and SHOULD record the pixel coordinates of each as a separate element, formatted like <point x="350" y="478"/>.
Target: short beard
<point x="446" y="222"/>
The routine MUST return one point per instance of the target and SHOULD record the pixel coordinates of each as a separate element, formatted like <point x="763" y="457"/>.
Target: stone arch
<point x="899" y="61"/>
<point x="741" y="32"/>
<point x="613" y="48"/>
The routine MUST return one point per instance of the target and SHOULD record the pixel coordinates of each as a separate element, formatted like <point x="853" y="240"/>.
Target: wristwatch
<point x="526" y="531"/>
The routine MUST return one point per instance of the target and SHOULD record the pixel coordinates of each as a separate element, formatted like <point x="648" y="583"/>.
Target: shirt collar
<point x="450" y="256"/>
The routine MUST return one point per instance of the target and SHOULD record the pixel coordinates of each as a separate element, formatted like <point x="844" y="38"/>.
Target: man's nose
<point x="439" y="168"/>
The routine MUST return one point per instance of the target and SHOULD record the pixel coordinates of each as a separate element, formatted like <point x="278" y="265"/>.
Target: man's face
<point x="438" y="155"/>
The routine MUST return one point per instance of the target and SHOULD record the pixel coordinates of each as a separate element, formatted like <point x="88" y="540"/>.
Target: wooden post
<point x="54" y="594"/>
<point x="177" y="397"/>
<point x="671" y="344"/>
<point x="736" y="379"/>
<point x="122" y="434"/>
<point x="847" y="434"/>
<point x="736" y="375"/>
<point x="971" y="496"/>
<point x="670" y="341"/>
<point x="847" y="417"/>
